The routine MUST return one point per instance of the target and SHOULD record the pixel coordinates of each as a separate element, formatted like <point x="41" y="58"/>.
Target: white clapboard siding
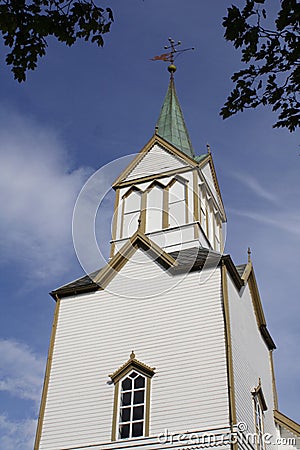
<point x="250" y="360"/>
<point x="179" y="331"/>
<point x="157" y="160"/>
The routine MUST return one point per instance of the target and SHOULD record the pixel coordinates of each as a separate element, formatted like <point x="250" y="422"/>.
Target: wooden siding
<point x="250" y="359"/>
<point x="157" y="160"/>
<point x="179" y="331"/>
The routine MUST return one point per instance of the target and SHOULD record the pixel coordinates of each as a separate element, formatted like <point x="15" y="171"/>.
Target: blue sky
<point x="86" y="106"/>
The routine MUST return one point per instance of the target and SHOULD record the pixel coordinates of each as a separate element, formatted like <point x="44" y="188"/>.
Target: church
<point x="167" y="345"/>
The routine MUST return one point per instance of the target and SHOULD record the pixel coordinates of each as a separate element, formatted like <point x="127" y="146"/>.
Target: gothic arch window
<point x="131" y="414"/>
<point x="177" y="202"/>
<point x="155" y="207"/>
<point x="260" y="407"/>
<point x="131" y="210"/>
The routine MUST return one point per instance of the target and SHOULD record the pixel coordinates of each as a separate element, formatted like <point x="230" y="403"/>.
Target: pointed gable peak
<point x="171" y="126"/>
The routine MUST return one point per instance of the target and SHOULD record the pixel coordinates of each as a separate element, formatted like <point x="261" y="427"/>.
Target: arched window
<point x="132" y="399"/>
<point x="177" y="203"/>
<point x="132" y="406"/>
<point x="154" y="218"/>
<point x="131" y="212"/>
<point x="260" y="407"/>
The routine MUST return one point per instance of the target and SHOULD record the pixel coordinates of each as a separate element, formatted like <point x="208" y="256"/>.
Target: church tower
<point x="166" y="347"/>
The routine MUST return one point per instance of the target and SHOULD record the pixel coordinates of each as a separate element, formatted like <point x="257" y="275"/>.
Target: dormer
<point x="167" y="192"/>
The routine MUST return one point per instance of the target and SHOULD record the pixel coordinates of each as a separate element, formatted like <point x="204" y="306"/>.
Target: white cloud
<point x="17" y="435"/>
<point x="255" y="186"/>
<point x="38" y="189"/>
<point x="289" y="222"/>
<point x="21" y="370"/>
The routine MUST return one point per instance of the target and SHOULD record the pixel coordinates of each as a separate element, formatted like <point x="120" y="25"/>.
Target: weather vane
<point x="171" y="55"/>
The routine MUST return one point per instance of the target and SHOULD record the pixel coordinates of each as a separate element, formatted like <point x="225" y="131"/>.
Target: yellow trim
<point x="186" y="194"/>
<point x="122" y="218"/>
<point x="115" y="413"/>
<point x="148" y="372"/>
<point x="287" y="423"/>
<point x="229" y="359"/>
<point x="165" y="218"/>
<point x="132" y="363"/>
<point x="142" y="218"/>
<point x="167" y="174"/>
<point x="260" y="317"/>
<point x="275" y="396"/>
<point x="196" y="196"/>
<point x="47" y="376"/>
<point x="154" y="140"/>
<point x="105" y="276"/>
<point x="132" y="189"/>
<point x="247" y="271"/>
<point x="260" y="395"/>
<point x="215" y="179"/>
<point x="148" y="404"/>
<point x="115" y="223"/>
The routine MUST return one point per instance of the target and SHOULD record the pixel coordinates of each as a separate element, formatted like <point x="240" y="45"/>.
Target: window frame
<point x="127" y="213"/>
<point x="260" y="407"/>
<point x="147" y="372"/>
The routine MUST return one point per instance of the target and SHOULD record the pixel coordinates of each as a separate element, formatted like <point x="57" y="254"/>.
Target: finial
<point x="132" y="355"/>
<point x="208" y="148"/>
<point x="249" y="255"/>
<point x="170" y="56"/>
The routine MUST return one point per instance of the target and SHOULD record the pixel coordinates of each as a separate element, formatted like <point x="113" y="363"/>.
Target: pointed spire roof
<point x="171" y="126"/>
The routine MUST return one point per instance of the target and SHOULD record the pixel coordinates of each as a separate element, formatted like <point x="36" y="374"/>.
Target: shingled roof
<point x="189" y="259"/>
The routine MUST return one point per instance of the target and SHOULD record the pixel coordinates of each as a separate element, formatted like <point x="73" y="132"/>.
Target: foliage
<point x="25" y="25"/>
<point x="272" y="58"/>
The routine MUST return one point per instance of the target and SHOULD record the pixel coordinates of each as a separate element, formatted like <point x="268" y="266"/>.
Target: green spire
<point x="171" y="126"/>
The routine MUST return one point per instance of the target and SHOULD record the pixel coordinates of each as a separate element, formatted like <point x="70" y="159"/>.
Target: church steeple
<point x="171" y="125"/>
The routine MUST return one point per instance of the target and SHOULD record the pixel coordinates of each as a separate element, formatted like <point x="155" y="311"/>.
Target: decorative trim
<point x="148" y="405"/>
<point x="287" y="423"/>
<point x="215" y="179"/>
<point x="47" y="376"/>
<point x="259" y="314"/>
<point x="115" y="413"/>
<point x="115" y="223"/>
<point x="196" y="196"/>
<point x="142" y="219"/>
<point x="259" y="393"/>
<point x="154" y="140"/>
<point x="132" y="363"/>
<point x="168" y="173"/>
<point x="229" y="356"/>
<point x="247" y="271"/>
<point x="275" y="396"/>
<point x="121" y="372"/>
<point x="228" y="346"/>
<point x="119" y="260"/>
<point x="165" y="218"/>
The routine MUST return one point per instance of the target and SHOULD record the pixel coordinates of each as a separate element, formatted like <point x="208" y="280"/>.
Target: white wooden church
<point x="166" y="347"/>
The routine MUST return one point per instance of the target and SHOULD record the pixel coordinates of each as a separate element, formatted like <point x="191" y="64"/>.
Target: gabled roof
<point x="171" y="125"/>
<point x="187" y="161"/>
<point x="132" y="363"/>
<point x="185" y="260"/>
<point x="286" y="422"/>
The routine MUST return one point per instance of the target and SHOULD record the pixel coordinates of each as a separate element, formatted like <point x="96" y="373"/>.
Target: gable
<point x="140" y="278"/>
<point x="157" y="160"/>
